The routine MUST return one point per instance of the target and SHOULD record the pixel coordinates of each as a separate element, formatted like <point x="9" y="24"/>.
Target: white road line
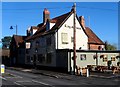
<point x="3" y="78"/>
<point x="19" y="84"/>
<point x="41" y="82"/>
<point x="13" y="77"/>
<point x="16" y="76"/>
<point x="23" y="81"/>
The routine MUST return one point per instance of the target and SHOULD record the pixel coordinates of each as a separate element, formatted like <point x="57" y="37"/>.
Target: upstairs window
<point x="64" y="37"/>
<point x="83" y="57"/>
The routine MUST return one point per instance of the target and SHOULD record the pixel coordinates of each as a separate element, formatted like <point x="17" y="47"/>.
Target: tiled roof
<point x="92" y="37"/>
<point x="34" y="27"/>
<point x="60" y="20"/>
<point x="42" y="27"/>
<point x="19" y="39"/>
<point x="39" y="29"/>
<point x="38" y="33"/>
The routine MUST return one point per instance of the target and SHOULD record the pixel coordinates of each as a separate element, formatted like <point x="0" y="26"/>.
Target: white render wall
<point x="51" y="25"/>
<point x="91" y="61"/>
<point x="109" y="55"/>
<point x="67" y="27"/>
<point x="83" y="63"/>
<point x="34" y="30"/>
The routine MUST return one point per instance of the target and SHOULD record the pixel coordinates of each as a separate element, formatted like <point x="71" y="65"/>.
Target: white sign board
<point x="27" y="45"/>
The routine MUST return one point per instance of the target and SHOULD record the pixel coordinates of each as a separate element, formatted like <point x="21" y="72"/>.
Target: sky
<point x="101" y="17"/>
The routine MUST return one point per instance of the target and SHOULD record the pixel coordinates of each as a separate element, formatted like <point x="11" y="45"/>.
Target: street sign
<point x="2" y="68"/>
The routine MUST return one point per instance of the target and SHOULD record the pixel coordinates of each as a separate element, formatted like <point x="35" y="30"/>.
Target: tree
<point x="109" y="46"/>
<point x="6" y="42"/>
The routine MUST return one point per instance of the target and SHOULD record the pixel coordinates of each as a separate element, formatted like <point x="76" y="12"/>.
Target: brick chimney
<point x="82" y="21"/>
<point x="46" y="15"/>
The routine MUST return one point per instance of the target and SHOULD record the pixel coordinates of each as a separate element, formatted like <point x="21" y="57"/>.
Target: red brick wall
<point x="94" y="46"/>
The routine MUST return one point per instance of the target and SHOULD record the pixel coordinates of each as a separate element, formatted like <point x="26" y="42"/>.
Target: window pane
<point x="41" y="58"/>
<point x="83" y="57"/>
<point x="64" y="37"/>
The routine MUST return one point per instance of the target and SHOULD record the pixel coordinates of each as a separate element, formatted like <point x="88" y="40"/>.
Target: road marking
<point x="15" y="76"/>
<point x="19" y="84"/>
<point x="26" y="70"/>
<point x="23" y="81"/>
<point x="3" y="78"/>
<point x="41" y="82"/>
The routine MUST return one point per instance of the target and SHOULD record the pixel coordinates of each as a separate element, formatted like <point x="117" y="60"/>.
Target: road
<point x="25" y="79"/>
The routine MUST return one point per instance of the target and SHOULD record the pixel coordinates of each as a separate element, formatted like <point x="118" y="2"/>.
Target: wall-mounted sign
<point x="71" y="26"/>
<point x="27" y="45"/>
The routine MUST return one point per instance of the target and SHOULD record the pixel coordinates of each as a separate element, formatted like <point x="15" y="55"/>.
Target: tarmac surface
<point x="106" y="75"/>
<point x="22" y="77"/>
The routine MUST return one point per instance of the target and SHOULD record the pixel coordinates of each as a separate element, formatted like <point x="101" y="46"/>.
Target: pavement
<point x="105" y="75"/>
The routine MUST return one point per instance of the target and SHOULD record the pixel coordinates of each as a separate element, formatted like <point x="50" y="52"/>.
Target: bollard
<point x="87" y="73"/>
<point x="2" y="68"/>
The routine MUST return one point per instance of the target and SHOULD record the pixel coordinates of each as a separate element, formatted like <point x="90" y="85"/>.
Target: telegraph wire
<point x="64" y="8"/>
<point x="97" y="8"/>
<point x="38" y="8"/>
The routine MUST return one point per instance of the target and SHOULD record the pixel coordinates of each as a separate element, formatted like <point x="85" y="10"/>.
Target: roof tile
<point x="92" y="37"/>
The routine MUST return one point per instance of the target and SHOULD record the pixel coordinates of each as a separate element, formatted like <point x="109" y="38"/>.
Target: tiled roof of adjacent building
<point x="19" y="39"/>
<point x="92" y="37"/>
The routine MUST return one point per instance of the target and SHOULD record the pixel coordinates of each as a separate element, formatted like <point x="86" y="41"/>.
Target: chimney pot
<point x="46" y="15"/>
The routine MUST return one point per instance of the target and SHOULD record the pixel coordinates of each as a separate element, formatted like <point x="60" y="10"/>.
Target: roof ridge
<point x="59" y="20"/>
<point x="60" y="16"/>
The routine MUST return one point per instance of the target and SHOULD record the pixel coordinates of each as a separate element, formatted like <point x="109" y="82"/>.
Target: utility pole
<point x="74" y="26"/>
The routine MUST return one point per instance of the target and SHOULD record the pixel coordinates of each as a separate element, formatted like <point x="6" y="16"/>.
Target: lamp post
<point x="15" y="57"/>
<point x="11" y="27"/>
